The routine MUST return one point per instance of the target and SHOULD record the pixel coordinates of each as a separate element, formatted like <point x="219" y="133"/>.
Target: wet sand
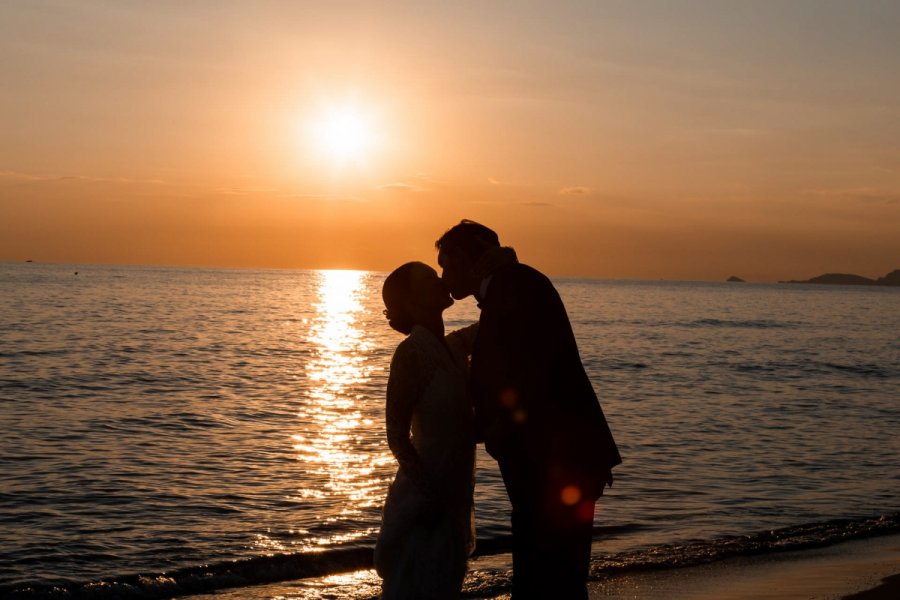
<point x="888" y="590"/>
<point x="850" y="571"/>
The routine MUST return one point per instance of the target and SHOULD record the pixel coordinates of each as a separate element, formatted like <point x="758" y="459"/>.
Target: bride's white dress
<point x="427" y="531"/>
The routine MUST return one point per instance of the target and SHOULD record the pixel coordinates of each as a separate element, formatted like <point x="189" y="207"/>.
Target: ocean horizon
<point x="172" y="430"/>
<point x="563" y="277"/>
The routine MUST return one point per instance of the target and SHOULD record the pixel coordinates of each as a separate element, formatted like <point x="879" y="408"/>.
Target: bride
<point x="427" y="531"/>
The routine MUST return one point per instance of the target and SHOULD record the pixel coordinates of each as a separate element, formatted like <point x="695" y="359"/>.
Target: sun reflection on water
<point x="337" y="457"/>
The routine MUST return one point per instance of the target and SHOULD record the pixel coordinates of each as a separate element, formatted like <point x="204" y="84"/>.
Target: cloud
<point x="330" y="198"/>
<point x="119" y="180"/>
<point x="425" y="178"/>
<point x="402" y="187"/>
<point x="493" y="181"/>
<point x="92" y="179"/>
<point x="738" y="132"/>
<point x="536" y="204"/>
<point x="246" y="191"/>
<point x="18" y="176"/>
<point x="575" y="190"/>
<point x="863" y="194"/>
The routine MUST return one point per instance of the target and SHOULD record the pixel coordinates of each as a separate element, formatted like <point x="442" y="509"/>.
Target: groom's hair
<point x="469" y="237"/>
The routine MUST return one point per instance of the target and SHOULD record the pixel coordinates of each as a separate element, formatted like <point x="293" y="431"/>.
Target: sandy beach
<point x="850" y="571"/>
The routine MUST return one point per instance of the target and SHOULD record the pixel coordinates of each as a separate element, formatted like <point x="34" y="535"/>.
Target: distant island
<point x="735" y="279"/>
<point x="892" y="279"/>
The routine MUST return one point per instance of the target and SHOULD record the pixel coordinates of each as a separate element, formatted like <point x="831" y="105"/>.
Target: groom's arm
<point x="562" y="419"/>
<point x="515" y="352"/>
<point x="532" y="325"/>
<point x="463" y="339"/>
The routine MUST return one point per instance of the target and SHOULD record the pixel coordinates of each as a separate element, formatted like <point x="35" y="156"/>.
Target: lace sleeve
<point x="403" y="391"/>
<point x="463" y="339"/>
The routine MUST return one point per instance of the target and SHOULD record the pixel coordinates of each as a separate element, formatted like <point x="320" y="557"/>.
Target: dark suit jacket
<point x="534" y="404"/>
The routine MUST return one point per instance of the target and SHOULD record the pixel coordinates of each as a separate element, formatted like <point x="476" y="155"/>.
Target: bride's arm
<point x="403" y="391"/>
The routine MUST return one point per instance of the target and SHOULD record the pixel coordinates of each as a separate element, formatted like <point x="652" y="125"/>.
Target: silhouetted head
<point x="413" y="294"/>
<point x="458" y="251"/>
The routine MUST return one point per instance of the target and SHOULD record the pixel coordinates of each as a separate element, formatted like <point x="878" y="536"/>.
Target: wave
<point x="863" y="370"/>
<point x="742" y="324"/>
<point x="796" y="537"/>
<point x="286" y="567"/>
<point x="203" y="578"/>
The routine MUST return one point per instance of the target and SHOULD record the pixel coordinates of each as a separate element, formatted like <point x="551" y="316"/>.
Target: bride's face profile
<point x="414" y="294"/>
<point x="427" y="291"/>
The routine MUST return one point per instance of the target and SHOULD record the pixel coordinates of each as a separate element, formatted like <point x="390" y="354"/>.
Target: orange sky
<point x="687" y="140"/>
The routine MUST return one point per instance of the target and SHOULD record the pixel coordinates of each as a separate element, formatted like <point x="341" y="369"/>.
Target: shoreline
<point x="859" y="569"/>
<point x="865" y="550"/>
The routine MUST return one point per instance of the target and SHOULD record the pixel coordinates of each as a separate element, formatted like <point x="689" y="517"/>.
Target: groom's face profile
<point x="456" y="272"/>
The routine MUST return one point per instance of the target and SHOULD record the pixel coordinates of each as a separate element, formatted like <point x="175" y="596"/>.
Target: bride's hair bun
<point x="395" y="293"/>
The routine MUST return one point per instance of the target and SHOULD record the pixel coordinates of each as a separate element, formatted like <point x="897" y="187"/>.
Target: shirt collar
<point x="485" y="283"/>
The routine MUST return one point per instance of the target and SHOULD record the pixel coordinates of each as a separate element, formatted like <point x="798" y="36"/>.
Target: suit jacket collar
<point x="490" y="262"/>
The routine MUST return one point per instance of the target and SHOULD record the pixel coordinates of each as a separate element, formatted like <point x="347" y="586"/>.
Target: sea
<point x="175" y="431"/>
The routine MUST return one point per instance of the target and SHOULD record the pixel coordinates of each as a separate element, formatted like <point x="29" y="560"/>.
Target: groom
<point x="535" y="409"/>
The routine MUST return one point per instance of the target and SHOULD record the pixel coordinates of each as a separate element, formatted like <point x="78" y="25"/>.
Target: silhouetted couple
<point x="524" y="393"/>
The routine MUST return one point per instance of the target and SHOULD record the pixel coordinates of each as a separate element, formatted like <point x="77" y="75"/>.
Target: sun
<point x="344" y="135"/>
